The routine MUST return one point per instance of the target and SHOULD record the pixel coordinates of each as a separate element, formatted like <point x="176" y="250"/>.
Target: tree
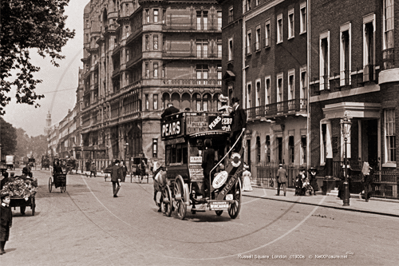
<point x="25" y="25"/>
<point x="23" y="140"/>
<point x="8" y="137"/>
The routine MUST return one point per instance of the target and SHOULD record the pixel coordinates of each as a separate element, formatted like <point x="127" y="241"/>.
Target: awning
<point x="229" y="75"/>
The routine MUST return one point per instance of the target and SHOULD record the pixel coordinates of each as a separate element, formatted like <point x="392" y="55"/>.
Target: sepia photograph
<point x="199" y="132"/>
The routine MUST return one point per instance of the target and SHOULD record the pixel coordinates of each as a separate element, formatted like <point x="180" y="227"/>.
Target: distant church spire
<point x="48" y="123"/>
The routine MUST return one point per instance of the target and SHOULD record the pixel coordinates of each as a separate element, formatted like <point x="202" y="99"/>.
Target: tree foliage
<point x="8" y="138"/>
<point x="32" y="146"/>
<point x="25" y="25"/>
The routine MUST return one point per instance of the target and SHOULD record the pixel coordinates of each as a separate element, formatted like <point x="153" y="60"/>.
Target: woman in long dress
<point x="246" y="176"/>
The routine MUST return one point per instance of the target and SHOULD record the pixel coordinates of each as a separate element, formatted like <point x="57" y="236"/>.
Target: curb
<point x="336" y="194"/>
<point x="345" y="208"/>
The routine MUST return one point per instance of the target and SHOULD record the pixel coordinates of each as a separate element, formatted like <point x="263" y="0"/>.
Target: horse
<point x="159" y="177"/>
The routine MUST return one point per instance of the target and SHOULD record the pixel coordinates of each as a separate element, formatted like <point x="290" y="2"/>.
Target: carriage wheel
<point x="235" y="207"/>
<point x="219" y="212"/>
<point x="50" y="184"/>
<point x="22" y="209"/>
<point x="168" y="205"/>
<point x="181" y="206"/>
<point x="33" y="207"/>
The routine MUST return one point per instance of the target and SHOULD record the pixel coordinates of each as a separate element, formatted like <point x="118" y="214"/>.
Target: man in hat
<point x="93" y="169"/>
<point x="6" y="220"/>
<point x="116" y="176"/>
<point x="281" y="179"/>
<point x="239" y="123"/>
<point x="170" y="110"/>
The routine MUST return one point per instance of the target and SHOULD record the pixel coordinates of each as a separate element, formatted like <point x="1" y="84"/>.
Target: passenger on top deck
<point x="170" y="110"/>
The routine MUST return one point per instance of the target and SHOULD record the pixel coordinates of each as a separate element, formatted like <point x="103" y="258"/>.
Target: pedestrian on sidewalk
<point x="281" y="179"/>
<point x="116" y="176"/>
<point x="124" y="170"/>
<point x="93" y="169"/>
<point x="368" y="173"/>
<point x="6" y="220"/>
<point x="299" y="181"/>
<point x="246" y="176"/>
<point x="313" y="180"/>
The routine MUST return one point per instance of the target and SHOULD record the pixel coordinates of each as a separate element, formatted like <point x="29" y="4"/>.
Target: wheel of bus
<point x="50" y="184"/>
<point x="22" y="209"/>
<point x="181" y="206"/>
<point x="33" y="206"/>
<point x="168" y="202"/>
<point x="219" y="212"/>
<point x="235" y="207"/>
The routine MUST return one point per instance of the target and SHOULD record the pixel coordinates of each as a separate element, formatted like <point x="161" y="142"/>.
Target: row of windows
<point x="201" y="18"/>
<point x="257" y="94"/>
<point x="255" y="45"/>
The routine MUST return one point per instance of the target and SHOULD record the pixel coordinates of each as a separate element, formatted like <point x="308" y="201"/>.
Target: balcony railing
<point x="196" y="82"/>
<point x="208" y="26"/>
<point x="354" y="79"/>
<point x="273" y="109"/>
<point x="179" y="53"/>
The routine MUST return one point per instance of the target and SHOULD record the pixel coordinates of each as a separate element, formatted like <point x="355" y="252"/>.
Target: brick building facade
<point x="270" y="79"/>
<point x="354" y="74"/>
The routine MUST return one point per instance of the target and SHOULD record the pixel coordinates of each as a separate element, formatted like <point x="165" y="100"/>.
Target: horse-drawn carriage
<point x="45" y="162"/>
<point x="184" y="135"/>
<point x="139" y="169"/>
<point x="58" y="180"/>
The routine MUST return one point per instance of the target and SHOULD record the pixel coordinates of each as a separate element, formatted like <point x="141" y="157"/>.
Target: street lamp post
<point x="346" y="132"/>
<point x="126" y="147"/>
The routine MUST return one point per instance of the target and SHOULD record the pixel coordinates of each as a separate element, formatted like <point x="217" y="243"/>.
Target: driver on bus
<point x="208" y="161"/>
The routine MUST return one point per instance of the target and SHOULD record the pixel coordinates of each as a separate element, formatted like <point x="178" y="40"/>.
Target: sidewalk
<point x="373" y="206"/>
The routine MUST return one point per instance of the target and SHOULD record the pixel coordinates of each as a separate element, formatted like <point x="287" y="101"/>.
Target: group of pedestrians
<point x="303" y="184"/>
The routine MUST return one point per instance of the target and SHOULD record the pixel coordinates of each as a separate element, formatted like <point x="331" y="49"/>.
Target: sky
<point x="59" y="83"/>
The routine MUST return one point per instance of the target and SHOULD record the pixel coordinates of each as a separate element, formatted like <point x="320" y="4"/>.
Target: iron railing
<point x="196" y="82"/>
<point x="266" y="175"/>
<point x="354" y="79"/>
<point x="273" y="109"/>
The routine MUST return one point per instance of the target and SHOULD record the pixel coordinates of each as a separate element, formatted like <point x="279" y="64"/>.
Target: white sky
<point x="59" y="83"/>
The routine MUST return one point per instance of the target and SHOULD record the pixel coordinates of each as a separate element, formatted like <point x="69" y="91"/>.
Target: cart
<point x="22" y="204"/>
<point x="183" y="135"/>
<point x="59" y="181"/>
<point x="45" y="162"/>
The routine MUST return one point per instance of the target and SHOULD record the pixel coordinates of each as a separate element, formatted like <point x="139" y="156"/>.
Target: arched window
<point x="206" y="106"/>
<point x="197" y="100"/>
<point x="165" y="100"/>
<point x="185" y="101"/>
<point x="176" y="100"/>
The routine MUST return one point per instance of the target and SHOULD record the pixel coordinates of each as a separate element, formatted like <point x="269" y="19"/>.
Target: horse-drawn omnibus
<point x="184" y="135"/>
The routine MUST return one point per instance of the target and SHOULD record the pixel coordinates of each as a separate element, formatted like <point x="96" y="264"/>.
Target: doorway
<point x="372" y="141"/>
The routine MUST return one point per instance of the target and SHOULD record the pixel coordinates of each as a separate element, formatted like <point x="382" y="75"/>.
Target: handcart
<point x="184" y="135"/>
<point x="59" y="181"/>
<point x="23" y="203"/>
